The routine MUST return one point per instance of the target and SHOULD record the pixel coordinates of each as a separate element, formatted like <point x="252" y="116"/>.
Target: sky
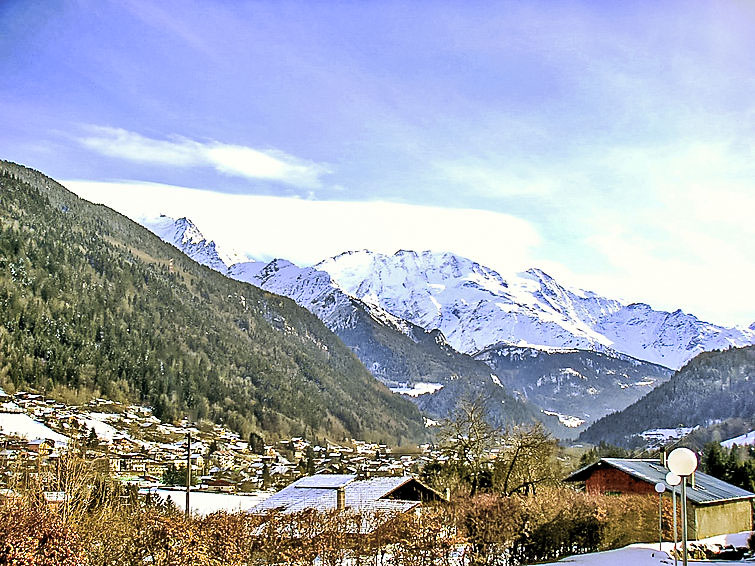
<point x="609" y="143"/>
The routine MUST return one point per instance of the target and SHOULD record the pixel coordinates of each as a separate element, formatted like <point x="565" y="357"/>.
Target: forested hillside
<point x="94" y="304"/>
<point x="713" y="386"/>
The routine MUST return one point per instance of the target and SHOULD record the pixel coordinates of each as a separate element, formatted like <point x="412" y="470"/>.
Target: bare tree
<point x="468" y="438"/>
<point x="528" y="459"/>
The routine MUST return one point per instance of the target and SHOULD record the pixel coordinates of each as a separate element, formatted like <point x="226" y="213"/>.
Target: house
<point x="41" y="446"/>
<point x="329" y="492"/>
<point x="714" y="507"/>
<point x="221" y="485"/>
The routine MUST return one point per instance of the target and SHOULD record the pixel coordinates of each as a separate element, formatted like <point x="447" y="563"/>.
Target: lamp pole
<point x="683" y="463"/>
<point x="188" y="473"/>
<point x="673" y="480"/>
<point x="660" y="487"/>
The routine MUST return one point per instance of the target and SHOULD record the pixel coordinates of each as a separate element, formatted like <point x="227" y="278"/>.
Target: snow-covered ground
<point x="566" y="420"/>
<point x="666" y="434"/>
<point x="418" y="389"/>
<point x="203" y="503"/>
<point x="20" y="424"/>
<point x="97" y="422"/>
<point x="647" y="554"/>
<point x="741" y="440"/>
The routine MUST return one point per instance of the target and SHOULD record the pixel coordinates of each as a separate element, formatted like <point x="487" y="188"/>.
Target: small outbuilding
<point x="715" y="507"/>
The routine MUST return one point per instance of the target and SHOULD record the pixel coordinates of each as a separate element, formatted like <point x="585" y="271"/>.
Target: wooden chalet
<point x="714" y="506"/>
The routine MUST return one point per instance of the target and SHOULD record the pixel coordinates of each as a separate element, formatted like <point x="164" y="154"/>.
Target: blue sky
<point x="608" y="143"/>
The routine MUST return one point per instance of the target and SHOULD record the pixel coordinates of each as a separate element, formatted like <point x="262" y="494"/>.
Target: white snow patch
<point x="417" y="389"/>
<point x="101" y="428"/>
<point x="666" y="434"/>
<point x="204" y="503"/>
<point x="572" y="372"/>
<point x="20" y="424"/>
<point x="566" y="420"/>
<point x="747" y="439"/>
<point x="648" y="554"/>
<point x="496" y="380"/>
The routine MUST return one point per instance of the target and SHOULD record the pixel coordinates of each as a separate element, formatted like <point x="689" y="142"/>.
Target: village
<point x="135" y="447"/>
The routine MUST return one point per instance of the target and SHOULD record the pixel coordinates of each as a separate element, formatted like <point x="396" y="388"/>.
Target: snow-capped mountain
<point x="404" y="356"/>
<point x="475" y="308"/>
<point x="183" y="234"/>
<point x="314" y="290"/>
<point x="412" y="359"/>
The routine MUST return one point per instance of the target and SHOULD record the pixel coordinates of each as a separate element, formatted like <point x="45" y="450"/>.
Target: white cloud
<point x="234" y="160"/>
<point x="306" y="231"/>
<point x="679" y="232"/>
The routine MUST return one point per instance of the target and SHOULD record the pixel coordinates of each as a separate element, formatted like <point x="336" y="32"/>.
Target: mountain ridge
<point x="475" y="307"/>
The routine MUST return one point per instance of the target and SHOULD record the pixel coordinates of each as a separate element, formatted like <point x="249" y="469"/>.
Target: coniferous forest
<point x="95" y="305"/>
<point x="713" y="386"/>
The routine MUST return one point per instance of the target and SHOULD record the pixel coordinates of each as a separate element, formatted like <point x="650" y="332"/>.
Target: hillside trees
<point x="94" y="305"/>
<point x="712" y="386"/>
<point x="735" y="465"/>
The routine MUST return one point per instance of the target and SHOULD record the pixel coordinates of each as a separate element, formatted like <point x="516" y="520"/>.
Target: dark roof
<point x="319" y="492"/>
<point x="707" y="488"/>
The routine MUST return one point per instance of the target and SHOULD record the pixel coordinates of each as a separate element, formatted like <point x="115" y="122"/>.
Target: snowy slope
<point x="22" y="425"/>
<point x="314" y="290"/>
<point x="183" y="234"/>
<point x="747" y="439"/>
<point x="475" y="307"/>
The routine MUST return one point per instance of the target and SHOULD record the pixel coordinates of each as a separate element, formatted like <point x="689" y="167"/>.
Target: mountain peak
<point x="187" y="237"/>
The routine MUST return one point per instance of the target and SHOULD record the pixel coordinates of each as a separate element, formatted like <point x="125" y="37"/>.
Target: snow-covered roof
<point x="320" y="492"/>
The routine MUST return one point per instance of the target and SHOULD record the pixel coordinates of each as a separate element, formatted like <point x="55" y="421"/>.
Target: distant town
<point x="139" y="449"/>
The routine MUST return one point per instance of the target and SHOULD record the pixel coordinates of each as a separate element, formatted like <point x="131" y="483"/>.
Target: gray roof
<point x="325" y="481"/>
<point x="707" y="488"/>
<point x="319" y="492"/>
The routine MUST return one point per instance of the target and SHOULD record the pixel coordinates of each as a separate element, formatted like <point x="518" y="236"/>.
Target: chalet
<point x="714" y="506"/>
<point x="221" y="485"/>
<point x="329" y="492"/>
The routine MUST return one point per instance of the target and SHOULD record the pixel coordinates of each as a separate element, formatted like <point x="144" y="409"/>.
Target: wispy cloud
<point x="228" y="159"/>
<point x="489" y="178"/>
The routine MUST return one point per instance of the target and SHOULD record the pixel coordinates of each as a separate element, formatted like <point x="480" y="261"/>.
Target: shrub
<point x="33" y="536"/>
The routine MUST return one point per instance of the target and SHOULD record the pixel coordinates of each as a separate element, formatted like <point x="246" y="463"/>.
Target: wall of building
<point x="710" y="520"/>
<point x="611" y="480"/>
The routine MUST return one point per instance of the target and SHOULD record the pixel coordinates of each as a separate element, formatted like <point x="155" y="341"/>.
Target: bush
<point x="37" y="537"/>
<point x="489" y="529"/>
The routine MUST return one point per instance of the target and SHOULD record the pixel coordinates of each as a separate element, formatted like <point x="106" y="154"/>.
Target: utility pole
<point x="188" y="473"/>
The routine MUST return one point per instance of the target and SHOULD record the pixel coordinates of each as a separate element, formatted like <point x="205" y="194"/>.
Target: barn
<point x="714" y="507"/>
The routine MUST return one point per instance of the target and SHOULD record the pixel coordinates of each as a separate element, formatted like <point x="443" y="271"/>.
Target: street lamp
<point x="683" y="463"/>
<point x="673" y="480"/>
<point x="660" y="487"/>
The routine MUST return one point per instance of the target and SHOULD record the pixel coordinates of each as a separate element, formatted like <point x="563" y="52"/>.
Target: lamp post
<point x="188" y="473"/>
<point x="660" y="487"/>
<point x="673" y="480"/>
<point x="683" y="463"/>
